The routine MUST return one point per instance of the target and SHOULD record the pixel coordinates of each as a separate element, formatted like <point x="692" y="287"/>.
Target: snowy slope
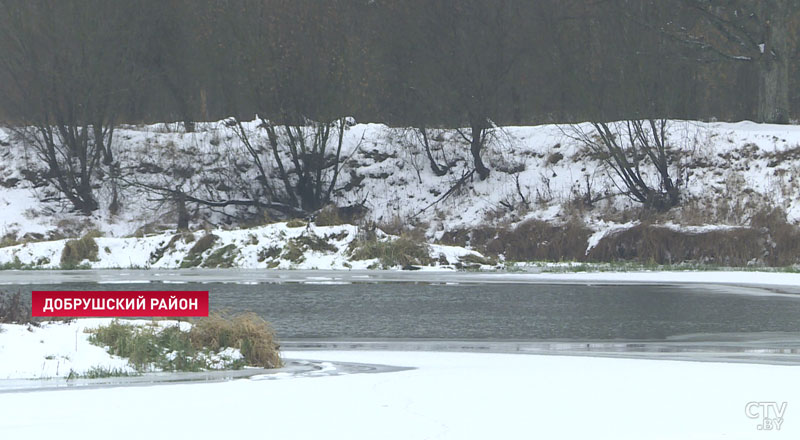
<point x="728" y="171"/>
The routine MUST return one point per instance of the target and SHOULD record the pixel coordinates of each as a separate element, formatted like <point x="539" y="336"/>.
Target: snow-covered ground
<point x="58" y="349"/>
<point x="53" y="350"/>
<point x="274" y="246"/>
<point x="443" y="396"/>
<point x="447" y="396"/>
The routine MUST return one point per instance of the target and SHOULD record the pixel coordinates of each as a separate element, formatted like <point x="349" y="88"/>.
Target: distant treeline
<point x="413" y="62"/>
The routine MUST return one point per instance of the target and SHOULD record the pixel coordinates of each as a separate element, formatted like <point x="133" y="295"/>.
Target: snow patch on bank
<point x="604" y="229"/>
<point x="273" y="246"/>
<point x="59" y="349"/>
<point x="723" y="164"/>
<point x="54" y="349"/>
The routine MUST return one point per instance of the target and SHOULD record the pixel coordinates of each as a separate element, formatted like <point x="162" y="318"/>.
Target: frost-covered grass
<point x="102" y="372"/>
<point x="150" y="348"/>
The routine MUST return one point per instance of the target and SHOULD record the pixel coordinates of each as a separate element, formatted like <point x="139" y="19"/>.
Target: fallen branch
<point x="452" y="189"/>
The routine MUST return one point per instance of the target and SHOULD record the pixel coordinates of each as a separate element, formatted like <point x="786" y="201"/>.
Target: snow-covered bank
<point x="448" y="396"/>
<point x="732" y="277"/>
<point x="62" y="349"/>
<point x="726" y="165"/>
<point x="53" y="350"/>
<point x="728" y="174"/>
<point x="273" y="246"/>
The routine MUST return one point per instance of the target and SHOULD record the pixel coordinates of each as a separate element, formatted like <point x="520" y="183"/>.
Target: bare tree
<point x="288" y="60"/>
<point x="632" y="150"/>
<point x="65" y="68"/>
<point x="438" y="169"/>
<point x="305" y="158"/>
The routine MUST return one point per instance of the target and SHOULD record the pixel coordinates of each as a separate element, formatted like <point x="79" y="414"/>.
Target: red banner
<point x="114" y="303"/>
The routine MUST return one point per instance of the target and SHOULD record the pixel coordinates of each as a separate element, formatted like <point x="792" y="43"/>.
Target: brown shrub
<point x="539" y="240"/>
<point x="203" y="244"/>
<point x="555" y="158"/>
<point x="477" y="237"/>
<point x="783" y="240"/>
<point x="251" y="334"/>
<point x="333" y="215"/>
<point x="15" y="309"/>
<point x="769" y="240"/>
<point x="328" y="216"/>
<point x="653" y="244"/>
<point x="75" y="251"/>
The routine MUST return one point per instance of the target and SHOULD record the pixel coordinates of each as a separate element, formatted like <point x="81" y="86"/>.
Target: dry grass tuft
<point x="329" y="216"/>
<point x="404" y="252"/>
<point x="252" y="335"/>
<point x="75" y="251"/>
<point x="296" y="223"/>
<point x="652" y="244"/>
<point x="15" y="309"/>
<point x="203" y="244"/>
<point x="783" y="238"/>
<point x="536" y="240"/>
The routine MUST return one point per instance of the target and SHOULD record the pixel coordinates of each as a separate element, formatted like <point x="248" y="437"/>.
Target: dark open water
<point x="410" y="310"/>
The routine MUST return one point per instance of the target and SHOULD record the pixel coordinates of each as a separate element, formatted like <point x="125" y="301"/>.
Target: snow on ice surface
<point x="664" y="277"/>
<point x="447" y="396"/>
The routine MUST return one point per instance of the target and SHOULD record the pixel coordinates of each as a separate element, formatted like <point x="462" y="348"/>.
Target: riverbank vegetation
<point x="15" y="308"/>
<point x="216" y="342"/>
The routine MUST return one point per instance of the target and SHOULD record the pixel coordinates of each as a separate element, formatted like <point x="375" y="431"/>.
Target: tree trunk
<point x="86" y="204"/>
<point x="773" y="91"/>
<point x="478" y="131"/>
<point x="773" y="69"/>
<point x="439" y="171"/>
<point x="183" y="213"/>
